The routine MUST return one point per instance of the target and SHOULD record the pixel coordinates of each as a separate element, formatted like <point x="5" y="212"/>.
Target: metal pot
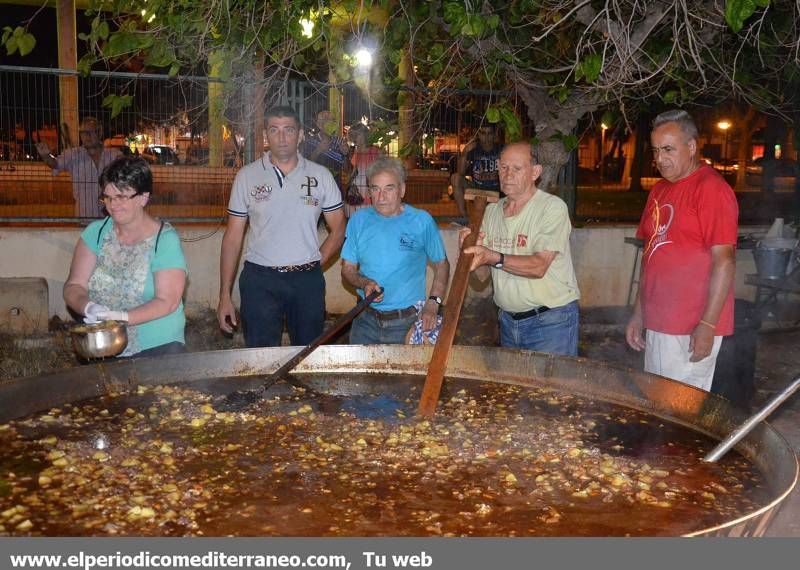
<point x="99" y="340"/>
<point x="238" y="369"/>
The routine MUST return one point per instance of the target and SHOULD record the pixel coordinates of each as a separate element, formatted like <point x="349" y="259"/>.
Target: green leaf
<point x="18" y="31"/>
<point x="120" y="43"/>
<point x="85" y="63"/>
<point x="102" y="30"/>
<point x="738" y="11"/>
<point x="493" y="115"/>
<point x="117" y="103"/>
<point x="670" y="97"/>
<point x="590" y="68"/>
<point x="560" y="93"/>
<point x="11" y="45"/>
<point x="26" y="44"/>
<point x="570" y="142"/>
<point x="174" y="69"/>
<point x="473" y="27"/>
<point x="453" y="12"/>
<point x="511" y="123"/>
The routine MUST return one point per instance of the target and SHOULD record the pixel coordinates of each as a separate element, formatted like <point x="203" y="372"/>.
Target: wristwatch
<point x="435" y="298"/>
<point x="499" y="264"/>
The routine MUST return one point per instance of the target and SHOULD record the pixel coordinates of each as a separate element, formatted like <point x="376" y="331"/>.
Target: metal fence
<point x="167" y="122"/>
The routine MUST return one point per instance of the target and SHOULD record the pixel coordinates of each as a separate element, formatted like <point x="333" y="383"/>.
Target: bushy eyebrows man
<point x="689" y="227"/>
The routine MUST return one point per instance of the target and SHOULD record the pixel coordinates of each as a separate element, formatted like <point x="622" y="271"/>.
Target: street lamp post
<point x="724" y="125"/>
<point x="363" y="58"/>
<point x="603" y="129"/>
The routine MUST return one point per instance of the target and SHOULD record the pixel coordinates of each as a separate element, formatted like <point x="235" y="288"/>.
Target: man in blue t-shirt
<point x="388" y="246"/>
<point x="478" y="166"/>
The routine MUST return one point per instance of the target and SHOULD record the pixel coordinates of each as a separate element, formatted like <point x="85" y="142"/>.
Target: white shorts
<point x="668" y="355"/>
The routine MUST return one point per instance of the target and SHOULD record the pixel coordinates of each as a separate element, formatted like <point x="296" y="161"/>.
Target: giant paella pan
<point x="523" y="444"/>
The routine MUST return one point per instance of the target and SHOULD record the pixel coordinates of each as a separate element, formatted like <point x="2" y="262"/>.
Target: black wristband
<point x="499" y="264"/>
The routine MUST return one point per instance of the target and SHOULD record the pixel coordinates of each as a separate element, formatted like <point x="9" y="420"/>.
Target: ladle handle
<point x="736" y="435"/>
<point x="327" y="335"/>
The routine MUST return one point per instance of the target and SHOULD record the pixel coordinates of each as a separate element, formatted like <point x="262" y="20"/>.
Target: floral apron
<point x="120" y="276"/>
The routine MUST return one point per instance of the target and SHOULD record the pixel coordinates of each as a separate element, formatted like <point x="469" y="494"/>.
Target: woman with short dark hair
<point x="130" y="266"/>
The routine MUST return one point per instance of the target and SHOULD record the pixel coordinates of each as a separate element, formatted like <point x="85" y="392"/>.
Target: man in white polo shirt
<point x="282" y="195"/>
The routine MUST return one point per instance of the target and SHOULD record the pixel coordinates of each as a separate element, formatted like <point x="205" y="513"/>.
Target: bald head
<point x="521" y="148"/>
<point x="519" y="170"/>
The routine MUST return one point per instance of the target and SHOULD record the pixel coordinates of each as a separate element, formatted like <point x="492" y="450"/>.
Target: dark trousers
<point x="269" y="296"/>
<point x="169" y="348"/>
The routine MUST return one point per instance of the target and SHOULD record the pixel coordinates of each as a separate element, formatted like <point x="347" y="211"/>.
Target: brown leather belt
<point x="393" y="315"/>
<point x="528" y="314"/>
<point x="289" y="268"/>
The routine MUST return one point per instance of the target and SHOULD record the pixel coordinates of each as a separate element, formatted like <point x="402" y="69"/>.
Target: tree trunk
<point x="745" y="123"/>
<point x="640" y="154"/>
<point x="405" y="105"/>
<point x="216" y="108"/>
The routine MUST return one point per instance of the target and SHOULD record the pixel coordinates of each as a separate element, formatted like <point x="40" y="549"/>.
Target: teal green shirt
<point x="123" y="279"/>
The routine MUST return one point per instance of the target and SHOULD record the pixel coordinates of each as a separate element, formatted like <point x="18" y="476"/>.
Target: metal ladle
<point x="736" y="435"/>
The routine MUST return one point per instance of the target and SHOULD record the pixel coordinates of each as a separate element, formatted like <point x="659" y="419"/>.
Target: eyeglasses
<point x="122" y="198"/>
<point x="388" y="189"/>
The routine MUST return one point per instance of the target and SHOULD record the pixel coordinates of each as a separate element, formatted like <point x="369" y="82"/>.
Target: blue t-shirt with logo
<point x="393" y="252"/>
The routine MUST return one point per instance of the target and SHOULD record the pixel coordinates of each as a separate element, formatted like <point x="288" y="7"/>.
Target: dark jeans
<point x="269" y="297"/>
<point x="554" y="331"/>
<point x="367" y="329"/>
<point x="169" y="348"/>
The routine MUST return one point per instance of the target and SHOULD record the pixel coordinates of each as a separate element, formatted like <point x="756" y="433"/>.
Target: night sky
<point x="43" y="27"/>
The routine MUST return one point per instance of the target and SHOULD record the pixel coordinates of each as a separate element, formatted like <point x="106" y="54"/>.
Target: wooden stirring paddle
<point x="452" y="309"/>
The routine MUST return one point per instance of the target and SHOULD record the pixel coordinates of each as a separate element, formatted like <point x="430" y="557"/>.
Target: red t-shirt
<point x="680" y="223"/>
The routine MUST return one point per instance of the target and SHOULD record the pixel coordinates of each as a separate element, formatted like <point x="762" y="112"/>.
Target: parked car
<point x="728" y="166"/>
<point x="783" y="166"/>
<point x="160" y="154"/>
<point x="784" y="173"/>
<point x="196" y="155"/>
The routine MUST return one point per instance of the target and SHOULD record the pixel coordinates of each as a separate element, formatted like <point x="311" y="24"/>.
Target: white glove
<point x="91" y="312"/>
<point x="109" y="315"/>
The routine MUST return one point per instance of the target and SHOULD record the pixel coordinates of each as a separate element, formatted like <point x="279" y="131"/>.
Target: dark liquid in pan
<point x="496" y="461"/>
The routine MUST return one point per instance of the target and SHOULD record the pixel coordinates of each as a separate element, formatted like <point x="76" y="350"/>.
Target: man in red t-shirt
<point x="689" y="227"/>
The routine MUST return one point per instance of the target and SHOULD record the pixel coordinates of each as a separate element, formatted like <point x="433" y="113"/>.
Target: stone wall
<point x="603" y="262"/>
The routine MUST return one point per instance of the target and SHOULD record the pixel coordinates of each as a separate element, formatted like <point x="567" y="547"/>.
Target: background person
<point x="478" y="166"/>
<point x="689" y="227"/>
<point x="84" y="164"/>
<point x="130" y="266"/>
<point x="388" y="246"/>
<point x="524" y="242"/>
<point x="281" y="195"/>
<point x="325" y="146"/>
<point x="364" y="154"/>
